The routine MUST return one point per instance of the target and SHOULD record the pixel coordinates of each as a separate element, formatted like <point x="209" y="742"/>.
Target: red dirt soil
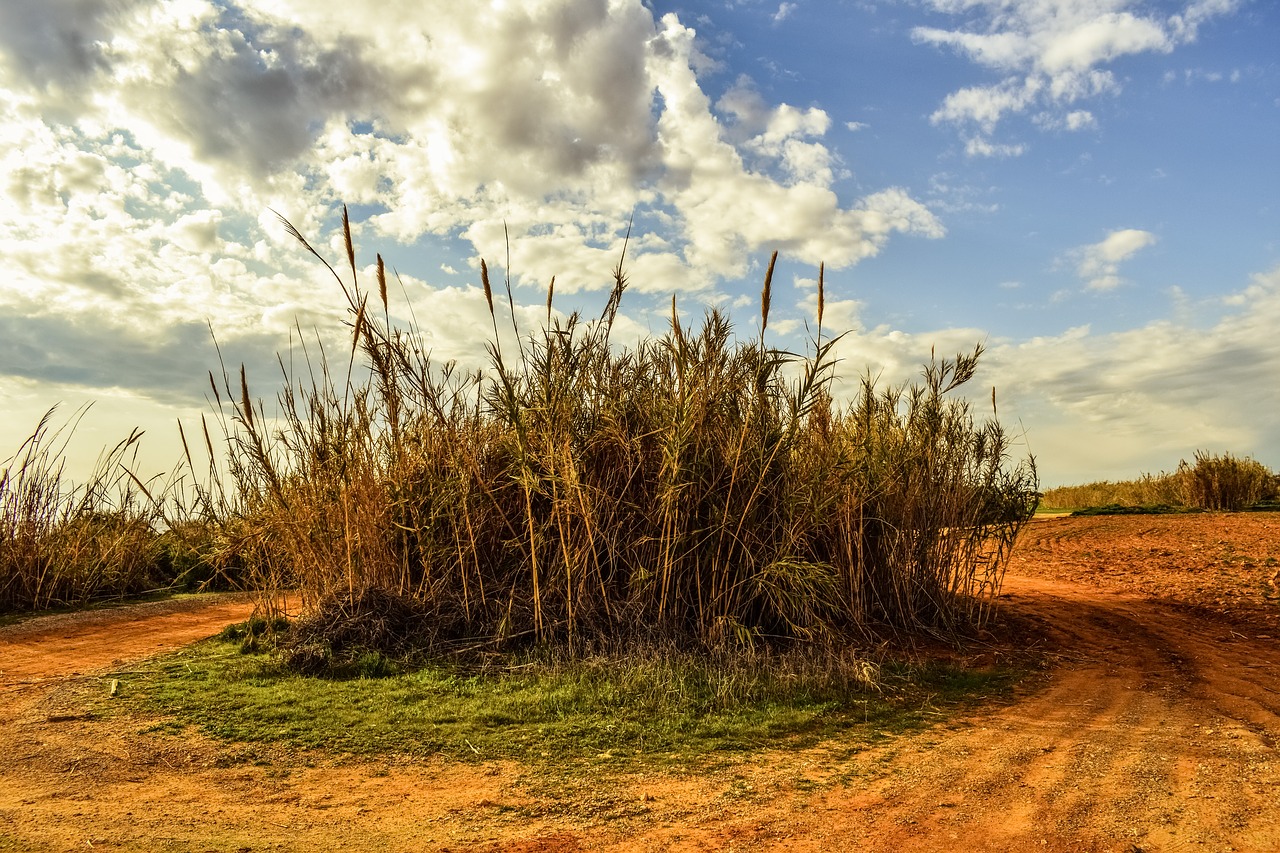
<point x="1154" y="726"/>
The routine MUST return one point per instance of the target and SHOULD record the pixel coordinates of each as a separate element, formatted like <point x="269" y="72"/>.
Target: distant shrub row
<point x="1212" y="482"/>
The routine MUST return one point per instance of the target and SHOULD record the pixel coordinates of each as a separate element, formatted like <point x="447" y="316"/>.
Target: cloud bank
<point x="146" y="144"/>
<point x="1130" y="401"/>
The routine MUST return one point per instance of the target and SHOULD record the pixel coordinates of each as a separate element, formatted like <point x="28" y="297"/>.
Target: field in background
<point x="1210" y="482"/>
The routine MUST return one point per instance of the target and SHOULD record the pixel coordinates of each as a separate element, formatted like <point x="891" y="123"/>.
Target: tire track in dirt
<point x="1155" y="730"/>
<point x="1116" y="752"/>
<point x="1147" y="737"/>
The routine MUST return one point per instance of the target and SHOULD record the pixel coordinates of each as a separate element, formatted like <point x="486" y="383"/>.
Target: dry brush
<point x="697" y="488"/>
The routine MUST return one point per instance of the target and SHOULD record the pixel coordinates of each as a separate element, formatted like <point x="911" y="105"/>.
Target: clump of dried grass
<point x="1225" y="482"/>
<point x="697" y="488"/>
<point x="68" y="544"/>
<point x="344" y="629"/>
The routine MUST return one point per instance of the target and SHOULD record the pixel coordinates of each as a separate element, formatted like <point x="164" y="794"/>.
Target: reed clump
<point x="697" y="489"/>
<point x="1226" y="482"/>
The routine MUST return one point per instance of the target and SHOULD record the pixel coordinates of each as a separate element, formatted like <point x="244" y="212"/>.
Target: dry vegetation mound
<point x="698" y="487"/>
<point x="358" y="631"/>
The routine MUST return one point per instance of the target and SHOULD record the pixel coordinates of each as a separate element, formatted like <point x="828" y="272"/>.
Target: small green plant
<point x="257" y="634"/>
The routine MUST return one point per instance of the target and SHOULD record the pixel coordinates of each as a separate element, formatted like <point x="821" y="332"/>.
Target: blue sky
<point x="1089" y="188"/>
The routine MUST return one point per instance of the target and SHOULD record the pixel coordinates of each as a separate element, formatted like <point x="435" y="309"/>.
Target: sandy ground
<point x="1154" y="726"/>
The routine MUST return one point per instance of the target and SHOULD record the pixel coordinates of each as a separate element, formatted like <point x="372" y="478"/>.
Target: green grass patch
<point x="1145" y="509"/>
<point x="655" y="708"/>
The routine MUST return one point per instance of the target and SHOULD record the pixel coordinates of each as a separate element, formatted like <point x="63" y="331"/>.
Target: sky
<point x="1088" y="188"/>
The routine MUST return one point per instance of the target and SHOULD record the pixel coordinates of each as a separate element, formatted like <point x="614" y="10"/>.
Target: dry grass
<point x="67" y="544"/>
<point x="1213" y="482"/>
<point x="698" y="488"/>
<point x="1149" y="490"/>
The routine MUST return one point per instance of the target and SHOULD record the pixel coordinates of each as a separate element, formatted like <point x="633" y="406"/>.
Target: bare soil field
<point x="1152" y="726"/>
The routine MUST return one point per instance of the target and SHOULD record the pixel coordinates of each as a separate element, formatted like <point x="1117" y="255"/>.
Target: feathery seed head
<point x="382" y="281"/>
<point x="766" y="293"/>
<point x="245" y="402"/>
<point x="822" y="292"/>
<point x="488" y="290"/>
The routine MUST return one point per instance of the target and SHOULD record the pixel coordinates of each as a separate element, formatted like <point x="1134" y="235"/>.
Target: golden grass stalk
<point x="822" y="296"/>
<point x="766" y="293"/>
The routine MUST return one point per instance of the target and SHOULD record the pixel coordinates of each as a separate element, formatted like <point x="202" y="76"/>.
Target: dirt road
<point x="1155" y="728"/>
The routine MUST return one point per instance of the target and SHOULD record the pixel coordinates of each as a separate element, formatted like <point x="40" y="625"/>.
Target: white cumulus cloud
<point x="1098" y="264"/>
<point x="1051" y="54"/>
<point x="144" y="146"/>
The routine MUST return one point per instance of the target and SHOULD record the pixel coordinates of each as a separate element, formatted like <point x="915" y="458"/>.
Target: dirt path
<point x="1156" y="728"/>
<point x="1158" y="732"/>
<point x="70" y="644"/>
